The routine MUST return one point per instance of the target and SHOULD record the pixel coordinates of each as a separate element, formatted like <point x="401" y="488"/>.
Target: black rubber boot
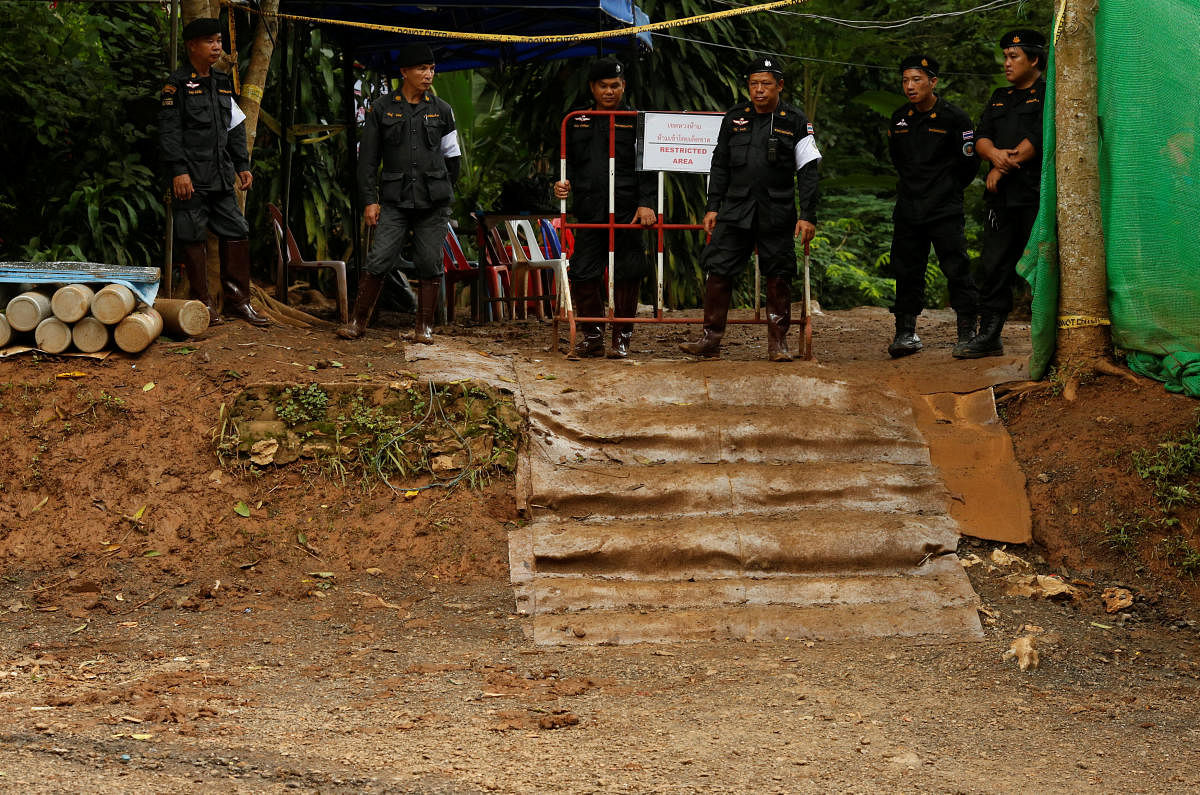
<point x="718" y="292"/>
<point x="625" y="300"/>
<point x="968" y="327"/>
<point x="987" y="341"/>
<point x="427" y="294"/>
<point x="195" y="265"/>
<point x="368" y="293"/>
<point x="588" y="298"/>
<point x="779" y="319"/>
<point x="906" y="342"/>
<point x="235" y="278"/>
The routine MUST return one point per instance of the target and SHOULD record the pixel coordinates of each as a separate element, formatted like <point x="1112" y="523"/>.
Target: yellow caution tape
<point x="1080" y="321"/>
<point x="1058" y="18"/>
<point x="252" y="92"/>
<point x="554" y="39"/>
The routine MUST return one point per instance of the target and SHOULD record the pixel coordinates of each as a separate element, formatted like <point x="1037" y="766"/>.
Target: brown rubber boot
<point x="779" y="319"/>
<point x="625" y="301"/>
<point x="426" y="304"/>
<point x="364" y="303"/>
<point x="718" y="291"/>
<point x="235" y="278"/>
<point x="195" y="265"/>
<point x="588" y="297"/>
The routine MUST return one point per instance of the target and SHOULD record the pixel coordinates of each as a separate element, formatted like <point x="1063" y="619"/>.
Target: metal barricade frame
<point x="567" y="310"/>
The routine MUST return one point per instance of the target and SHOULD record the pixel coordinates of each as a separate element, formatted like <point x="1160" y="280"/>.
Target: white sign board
<point x="679" y="141"/>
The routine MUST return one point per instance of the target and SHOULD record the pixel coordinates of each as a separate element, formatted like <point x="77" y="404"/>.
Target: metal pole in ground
<point x="168" y="271"/>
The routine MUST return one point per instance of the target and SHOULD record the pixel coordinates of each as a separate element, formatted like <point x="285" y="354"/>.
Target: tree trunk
<point x="255" y="79"/>
<point x="1084" y="340"/>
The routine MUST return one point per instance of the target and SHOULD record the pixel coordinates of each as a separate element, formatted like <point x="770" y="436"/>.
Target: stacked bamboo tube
<point x="91" y="320"/>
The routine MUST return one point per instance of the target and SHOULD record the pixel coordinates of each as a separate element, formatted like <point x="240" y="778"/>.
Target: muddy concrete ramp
<point x="729" y="500"/>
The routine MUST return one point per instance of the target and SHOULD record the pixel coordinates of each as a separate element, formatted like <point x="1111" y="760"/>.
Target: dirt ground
<point x="153" y="639"/>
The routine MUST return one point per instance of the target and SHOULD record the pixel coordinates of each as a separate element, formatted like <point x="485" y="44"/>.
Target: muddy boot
<point x="235" y="278"/>
<point x="195" y="265"/>
<point x="987" y="341"/>
<point x="967" y="328"/>
<point x="625" y="301"/>
<point x="368" y="293"/>
<point x="906" y="342"/>
<point x="718" y="291"/>
<point x="779" y="319"/>
<point x="426" y="305"/>
<point x="588" y="297"/>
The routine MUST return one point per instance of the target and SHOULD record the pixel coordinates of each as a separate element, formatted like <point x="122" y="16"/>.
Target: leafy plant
<point x="302" y="404"/>
<point x="1171" y="469"/>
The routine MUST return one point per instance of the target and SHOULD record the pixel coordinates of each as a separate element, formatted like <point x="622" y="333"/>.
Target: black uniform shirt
<point x="743" y="179"/>
<point x="418" y="146"/>
<point x="1011" y="116"/>
<point x="587" y="168"/>
<point x="934" y="154"/>
<point x="198" y="135"/>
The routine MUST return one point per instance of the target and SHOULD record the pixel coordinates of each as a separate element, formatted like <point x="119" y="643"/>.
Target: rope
<point x="561" y="38"/>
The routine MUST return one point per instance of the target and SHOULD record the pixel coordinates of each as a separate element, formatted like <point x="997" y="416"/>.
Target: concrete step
<point x="707" y="434"/>
<point x="938" y="582"/>
<point x="931" y="623"/>
<point x="679" y="489"/>
<point x="709" y="547"/>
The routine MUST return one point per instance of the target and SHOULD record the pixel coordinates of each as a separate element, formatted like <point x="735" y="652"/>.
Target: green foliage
<point x="78" y="83"/>
<point x="1177" y="551"/>
<point x="300" y="404"/>
<point x="1171" y="469"/>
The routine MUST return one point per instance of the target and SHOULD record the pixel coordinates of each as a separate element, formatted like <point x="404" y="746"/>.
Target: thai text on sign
<point x="678" y="141"/>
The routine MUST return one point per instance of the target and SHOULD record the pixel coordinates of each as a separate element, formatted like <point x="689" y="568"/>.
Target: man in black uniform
<point x="587" y="164"/>
<point x="1010" y="138"/>
<point x="413" y="133"/>
<point x="932" y="146"/>
<point x="764" y="163"/>
<point x="202" y="143"/>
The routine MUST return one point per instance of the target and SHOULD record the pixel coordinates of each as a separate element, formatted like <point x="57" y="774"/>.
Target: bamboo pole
<point x="72" y="302"/>
<point x="182" y="318"/>
<point x="52" y="335"/>
<point x="27" y="310"/>
<point x="89" y="335"/>
<point x="135" y="333"/>
<point x="113" y="303"/>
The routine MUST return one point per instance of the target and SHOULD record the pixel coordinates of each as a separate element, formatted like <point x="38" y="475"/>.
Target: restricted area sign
<point x="678" y="141"/>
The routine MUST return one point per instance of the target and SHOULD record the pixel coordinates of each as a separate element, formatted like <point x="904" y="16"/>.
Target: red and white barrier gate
<point x="699" y="135"/>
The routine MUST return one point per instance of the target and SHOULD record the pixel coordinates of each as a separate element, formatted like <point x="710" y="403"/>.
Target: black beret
<point x="766" y="64"/>
<point x="201" y="28"/>
<point x="414" y="53"/>
<point x="605" y="69"/>
<point x="1025" y="39"/>
<point x="923" y="62"/>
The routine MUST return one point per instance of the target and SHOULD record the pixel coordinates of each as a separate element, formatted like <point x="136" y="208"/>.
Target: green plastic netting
<point x="1149" y="108"/>
<point x="1039" y="265"/>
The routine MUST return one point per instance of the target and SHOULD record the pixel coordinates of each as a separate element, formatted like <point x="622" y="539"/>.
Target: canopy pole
<point x="168" y="270"/>
<point x="287" y="116"/>
<point x="354" y="223"/>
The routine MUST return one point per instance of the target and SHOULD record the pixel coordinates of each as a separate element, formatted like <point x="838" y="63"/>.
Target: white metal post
<point x="658" y="305"/>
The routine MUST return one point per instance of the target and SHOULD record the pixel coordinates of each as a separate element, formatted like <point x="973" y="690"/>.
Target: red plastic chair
<point x="292" y="259"/>
<point x="459" y="270"/>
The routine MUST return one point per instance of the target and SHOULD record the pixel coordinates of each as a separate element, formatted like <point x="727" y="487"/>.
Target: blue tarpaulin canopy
<point x="377" y="49"/>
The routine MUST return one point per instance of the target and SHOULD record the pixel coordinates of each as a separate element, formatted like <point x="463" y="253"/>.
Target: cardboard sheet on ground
<point x="17" y="350"/>
<point x="974" y="452"/>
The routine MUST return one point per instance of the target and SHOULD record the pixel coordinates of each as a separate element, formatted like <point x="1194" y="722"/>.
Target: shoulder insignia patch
<point x="810" y="129"/>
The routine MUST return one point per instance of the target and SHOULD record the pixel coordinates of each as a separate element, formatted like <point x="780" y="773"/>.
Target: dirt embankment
<point x="342" y="638"/>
